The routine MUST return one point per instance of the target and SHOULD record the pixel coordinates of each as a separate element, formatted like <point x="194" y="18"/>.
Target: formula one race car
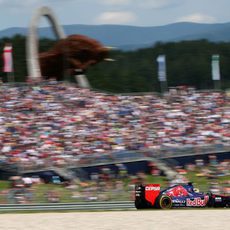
<point x="184" y="195"/>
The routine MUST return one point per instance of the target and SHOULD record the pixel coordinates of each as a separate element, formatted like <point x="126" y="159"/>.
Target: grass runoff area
<point x="114" y="190"/>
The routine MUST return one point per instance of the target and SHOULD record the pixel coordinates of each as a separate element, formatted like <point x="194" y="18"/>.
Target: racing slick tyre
<point x="165" y="202"/>
<point x="211" y="201"/>
<point x="139" y="204"/>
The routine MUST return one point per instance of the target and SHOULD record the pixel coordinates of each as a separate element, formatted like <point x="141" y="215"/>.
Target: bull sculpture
<point x="71" y="54"/>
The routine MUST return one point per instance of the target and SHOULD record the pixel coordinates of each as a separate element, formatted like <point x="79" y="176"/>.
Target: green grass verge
<point x="40" y="191"/>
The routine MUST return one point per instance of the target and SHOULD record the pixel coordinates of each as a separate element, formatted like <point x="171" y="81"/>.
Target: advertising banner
<point x="7" y="59"/>
<point x="215" y="67"/>
<point x="161" y="68"/>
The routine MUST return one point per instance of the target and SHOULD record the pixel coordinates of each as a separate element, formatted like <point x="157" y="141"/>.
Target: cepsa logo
<point x="152" y="188"/>
<point x="197" y="202"/>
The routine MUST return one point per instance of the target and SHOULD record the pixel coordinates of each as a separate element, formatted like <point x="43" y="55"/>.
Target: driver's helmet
<point x="190" y="187"/>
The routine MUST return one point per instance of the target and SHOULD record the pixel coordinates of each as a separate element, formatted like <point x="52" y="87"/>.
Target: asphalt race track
<point x="195" y="219"/>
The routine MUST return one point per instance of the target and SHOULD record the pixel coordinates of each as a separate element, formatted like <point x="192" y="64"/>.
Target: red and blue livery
<point x="181" y="195"/>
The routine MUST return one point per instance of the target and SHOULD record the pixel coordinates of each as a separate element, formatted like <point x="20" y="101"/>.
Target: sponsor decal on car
<point x="177" y="201"/>
<point x="196" y="202"/>
<point x="218" y="199"/>
<point x="152" y="188"/>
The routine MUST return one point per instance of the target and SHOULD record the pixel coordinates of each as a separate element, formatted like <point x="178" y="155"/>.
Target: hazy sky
<point x="15" y="13"/>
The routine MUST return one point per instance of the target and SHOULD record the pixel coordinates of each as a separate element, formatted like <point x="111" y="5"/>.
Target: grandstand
<point x="58" y="132"/>
<point x="56" y="124"/>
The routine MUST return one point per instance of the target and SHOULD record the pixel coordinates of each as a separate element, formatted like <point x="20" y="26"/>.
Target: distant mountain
<point x="134" y="37"/>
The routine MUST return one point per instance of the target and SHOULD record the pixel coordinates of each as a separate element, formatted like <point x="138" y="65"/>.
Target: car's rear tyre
<point x="165" y="202"/>
<point x="139" y="204"/>
<point x="211" y="201"/>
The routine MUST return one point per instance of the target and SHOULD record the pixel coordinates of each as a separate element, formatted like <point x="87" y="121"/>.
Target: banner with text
<point x="161" y="67"/>
<point x="7" y="59"/>
<point x="215" y="67"/>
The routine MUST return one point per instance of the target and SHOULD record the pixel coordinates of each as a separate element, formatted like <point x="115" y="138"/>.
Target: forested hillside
<point x="188" y="63"/>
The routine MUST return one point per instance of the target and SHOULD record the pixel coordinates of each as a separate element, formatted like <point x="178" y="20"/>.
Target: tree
<point x="188" y="63"/>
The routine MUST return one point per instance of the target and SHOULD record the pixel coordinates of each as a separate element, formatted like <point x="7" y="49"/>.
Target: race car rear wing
<point x="147" y="194"/>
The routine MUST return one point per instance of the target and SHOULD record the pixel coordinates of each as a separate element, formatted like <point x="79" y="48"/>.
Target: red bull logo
<point x="197" y="202"/>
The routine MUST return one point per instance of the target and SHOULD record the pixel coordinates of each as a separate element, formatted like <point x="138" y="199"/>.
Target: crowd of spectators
<point x="56" y="122"/>
<point x="215" y="172"/>
<point x="107" y="184"/>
